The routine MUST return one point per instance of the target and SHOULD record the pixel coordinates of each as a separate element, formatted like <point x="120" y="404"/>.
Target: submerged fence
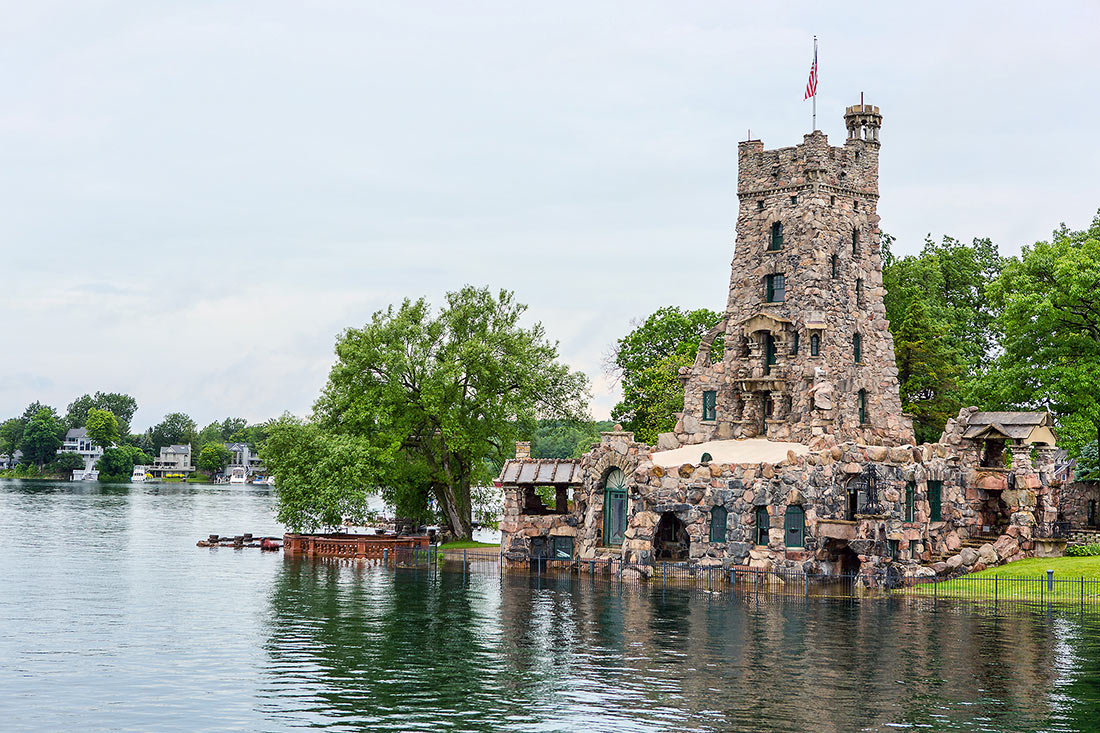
<point x="744" y="580"/>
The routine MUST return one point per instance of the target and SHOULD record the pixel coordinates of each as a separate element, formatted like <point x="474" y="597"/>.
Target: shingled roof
<point x="540" y="472"/>
<point x="1015" y="425"/>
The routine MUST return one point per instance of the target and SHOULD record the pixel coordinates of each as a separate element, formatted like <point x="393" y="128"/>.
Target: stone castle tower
<point x="807" y="353"/>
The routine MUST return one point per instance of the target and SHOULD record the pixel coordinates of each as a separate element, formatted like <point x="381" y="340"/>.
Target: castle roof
<point x="1030" y="427"/>
<point x="541" y="471"/>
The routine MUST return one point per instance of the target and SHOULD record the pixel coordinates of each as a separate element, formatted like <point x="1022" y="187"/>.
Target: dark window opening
<point x="910" y="501"/>
<point x="935" y="495"/>
<point x="857" y="347"/>
<point x="777" y="236"/>
<point x="794" y="199"/>
<point x="614" y="508"/>
<point x="769" y="353"/>
<point x="774" y="288"/>
<point x="859" y="291"/>
<point x="563" y="548"/>
<point x="760" y="205"/>
<point x="855" y="241"/>
<point x="794" y="344"/>
<point x="863" y="407"/>
<point x="893" y="548"/>
<point x="710" y="405"/>
<point x="832" y="201"/>
<point x="671" y="541"/>
<point x="1093" y="519"/>
<point x="836" y="268"/>
<point x="719" y="517"/>
<point x="815" y="345"/>
<point x="993" y="453"/>
<point x="855" y="204"/>
<point x="794" y="534"/>
<point x="763" y="525"/>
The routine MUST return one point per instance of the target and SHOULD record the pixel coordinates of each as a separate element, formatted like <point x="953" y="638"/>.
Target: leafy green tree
<point x="66" y="463"/>
<point x="42" y="437"/>
<point x="928" y="370"/>
<point x="422" y="404"/>
<point x="564" y="439"/>
<point x="122" y="406"/>
<point x="117" y="462"/>
<point x="647" y="362"/>
<point x="175" y="429"/>
<point x="213" y="458"/>
<point x="11" y="435"/>
<point x="102" y="427"/>
<point x="1049" y="301"/>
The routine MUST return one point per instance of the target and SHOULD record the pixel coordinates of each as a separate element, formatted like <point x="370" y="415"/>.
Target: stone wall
<point x="1075" y="503"/>
<point x="825" y="200"/>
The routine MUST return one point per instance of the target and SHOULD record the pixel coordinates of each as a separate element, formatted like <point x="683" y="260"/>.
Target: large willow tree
<point x="418" y="406"/>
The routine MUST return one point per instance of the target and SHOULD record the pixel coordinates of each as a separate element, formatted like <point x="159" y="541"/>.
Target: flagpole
<point x="814" y="128"/>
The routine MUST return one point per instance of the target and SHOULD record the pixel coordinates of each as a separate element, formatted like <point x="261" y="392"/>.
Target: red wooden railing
<point x="369" y="546"/>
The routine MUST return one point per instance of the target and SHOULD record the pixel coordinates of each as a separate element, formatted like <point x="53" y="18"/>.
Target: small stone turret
<point x="863" y="122"/>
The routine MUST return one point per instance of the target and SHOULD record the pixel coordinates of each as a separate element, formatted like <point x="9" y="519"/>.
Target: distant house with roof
<point x="78" y="442"/>
<point x="174" y="461"/>
<point x="11" y="461"/>
<point x="241" y="456"/>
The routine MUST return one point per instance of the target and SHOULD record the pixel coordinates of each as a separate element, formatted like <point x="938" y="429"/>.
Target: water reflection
<point x="412" y="650"/>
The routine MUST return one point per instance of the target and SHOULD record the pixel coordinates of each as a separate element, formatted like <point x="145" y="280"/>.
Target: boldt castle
<point x="792" y="450"/>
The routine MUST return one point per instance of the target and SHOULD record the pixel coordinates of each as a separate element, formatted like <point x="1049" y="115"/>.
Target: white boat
<point x="259" y="481"/>
<point x="138" y="476"/>
<point x="238" y="476"/>
<point x="88" y="474"/>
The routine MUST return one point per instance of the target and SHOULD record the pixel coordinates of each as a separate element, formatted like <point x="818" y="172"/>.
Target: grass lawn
<point x="466" y="545"/>
<point x="1064" y="568"/>
<point x="1024" y="580"/>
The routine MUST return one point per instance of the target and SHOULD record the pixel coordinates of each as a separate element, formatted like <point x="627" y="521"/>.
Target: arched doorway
<point x="614" y="507"/>
<point x="671" y="541"/>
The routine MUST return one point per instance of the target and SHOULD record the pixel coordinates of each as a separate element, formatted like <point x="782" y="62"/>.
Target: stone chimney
<point x="523" y="449"/>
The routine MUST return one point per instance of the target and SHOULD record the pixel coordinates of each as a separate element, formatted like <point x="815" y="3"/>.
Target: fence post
<point x="1050" y="580"/>
<point x="995" y="584"/>
<point x="1082" y="579"/>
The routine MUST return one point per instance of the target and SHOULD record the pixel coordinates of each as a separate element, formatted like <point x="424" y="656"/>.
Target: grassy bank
<point x="467" y="545"/>
<point x="1036" y="567"/>
<point x="1076" y="580"/>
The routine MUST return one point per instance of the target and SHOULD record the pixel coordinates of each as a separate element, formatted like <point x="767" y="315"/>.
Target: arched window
<point x="718" y="518"/>
<point x="855" y="241"/>
<point x="794" y="534"/>
<point x="777" y="236"/>
<point x="863" y="407"/>
<point x="614" y="507"/>
<point x="763" y="524"/>
<point x="815" y="345"/>
<point x="769" y="353"/>
<point x="857" y="347"/>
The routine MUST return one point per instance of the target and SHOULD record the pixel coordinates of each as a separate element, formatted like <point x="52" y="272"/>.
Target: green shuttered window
<point x="710" y="405"/>
<point x="794" y="526"/>
<point x="763" y="524"/>
<point x="776" y="241"/>
<point x="775" y="288"/>
<point x="935" y="501"/>
<point x="718" y="519"/>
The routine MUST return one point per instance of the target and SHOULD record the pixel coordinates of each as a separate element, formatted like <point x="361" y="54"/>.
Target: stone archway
<point x="671" y="540"/>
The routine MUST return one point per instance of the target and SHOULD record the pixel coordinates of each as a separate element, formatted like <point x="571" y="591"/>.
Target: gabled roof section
<point x="74" y="433"/>
<point x="540" y="472"/>
<point x="764" y="322"/>
<point x="1026" y="426"/>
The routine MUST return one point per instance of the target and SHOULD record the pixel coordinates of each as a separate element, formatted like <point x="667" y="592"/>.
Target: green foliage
<point x="323" y="477"/>
<point x="11" y="435"/>
<point x="66" y="463"/>
<point x="122" y="406"/>
<point x="942" y="322"/>
<point x="647" y="361"/>
<point x="1049" y="301"/>
<point x="102" y="427"/>
<point x="1089" y="550"/>
<point x="176" y="429"/>
<point x="565" y="439"/>
<point x="213" y="458"/>
<point x="418" y="407"/>
<point x="42" y="436"/>
<point x="117" y="462"/>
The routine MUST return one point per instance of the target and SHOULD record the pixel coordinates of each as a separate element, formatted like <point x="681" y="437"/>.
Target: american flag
<point x="811" y="84"/>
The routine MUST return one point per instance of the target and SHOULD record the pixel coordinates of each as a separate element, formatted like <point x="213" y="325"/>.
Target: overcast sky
<point x="197" y="197"/>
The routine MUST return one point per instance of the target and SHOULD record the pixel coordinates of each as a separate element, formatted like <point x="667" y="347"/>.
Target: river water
<point x="112" y="619"/>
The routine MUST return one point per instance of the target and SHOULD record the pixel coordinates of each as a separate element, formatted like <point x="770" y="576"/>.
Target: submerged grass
<point x="1076" y="579"/>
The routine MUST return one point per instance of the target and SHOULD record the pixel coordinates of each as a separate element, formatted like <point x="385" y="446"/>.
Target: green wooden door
<point x="614" y="508"/>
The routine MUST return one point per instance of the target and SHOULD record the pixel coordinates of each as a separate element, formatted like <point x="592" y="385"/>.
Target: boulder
<point x="987" y="554"/>
<point x="939" y="567"/>
<point x="923" y="572"/>
<point x="969" y="556"/>
<point x="954" y="562"/>
<point x="1006" y="546"/>
<point x="667" y="441"/>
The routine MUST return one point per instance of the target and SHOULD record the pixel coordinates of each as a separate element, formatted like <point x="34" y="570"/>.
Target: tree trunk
<point x="457" y="512"/>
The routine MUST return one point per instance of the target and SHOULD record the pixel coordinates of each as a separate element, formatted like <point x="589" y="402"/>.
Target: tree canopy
<point x="213" y="458"/>
<point x="420" y="404"/>
<point x="102" y="427"/>
<point x="647" y="362"/>
<point x="42" y="436"/>
<point x="122" y="406"/>
<point x="175" y="429"/>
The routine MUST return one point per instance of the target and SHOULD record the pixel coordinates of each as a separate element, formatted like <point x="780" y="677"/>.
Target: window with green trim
<point x="935" y="501"/>
<point x="614" y="508"/>
<point x="710" y="405"/>
<point x="775" y="287"/>
<point x="719" y="516"/>
<point x="863" y="407"/>
<point x="763" y="525"/>
<point x="769" y="353"/>
<point x="893" y="547"/>
<point x="794" y="522"/>
<point x="815" y="345"/>
<point x="857" y="347"/>
<point x="855" y="241"/>
<point x="910" y="500"/>
<point x="777" y="236"/>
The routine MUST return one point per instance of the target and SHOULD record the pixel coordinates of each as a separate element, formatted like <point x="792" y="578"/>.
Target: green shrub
<point x="1091" y="550"/>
